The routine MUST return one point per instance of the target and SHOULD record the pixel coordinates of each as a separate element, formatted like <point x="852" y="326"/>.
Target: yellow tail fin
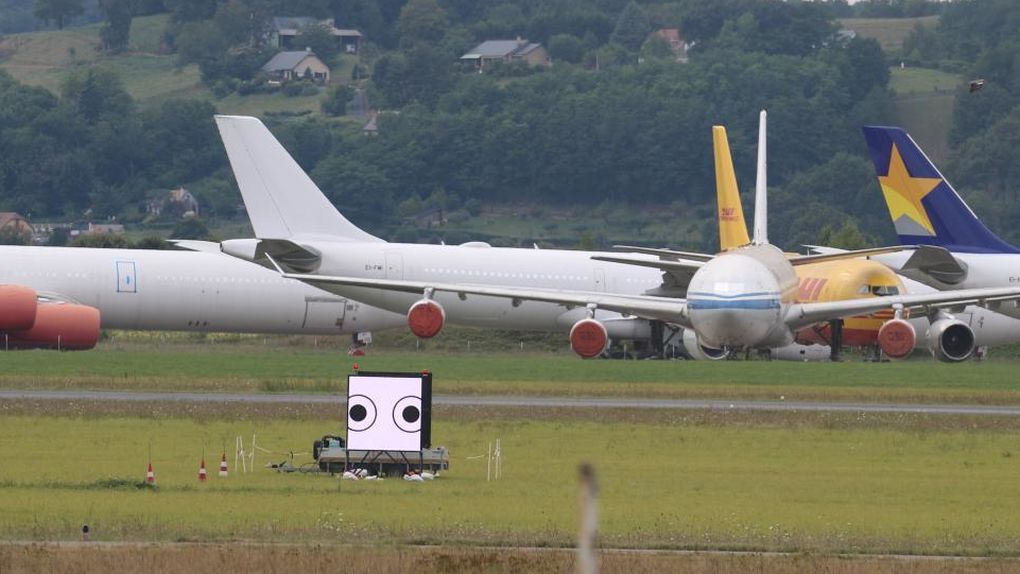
<point x="732" y="228"/>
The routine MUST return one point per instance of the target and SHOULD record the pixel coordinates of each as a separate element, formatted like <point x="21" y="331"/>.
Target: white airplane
<point x="741" y="299"/>
<point x="959" y="252"/>
<point x="60" y="297"/>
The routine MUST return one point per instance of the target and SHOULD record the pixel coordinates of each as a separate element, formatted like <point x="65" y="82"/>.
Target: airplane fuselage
<point x="738" y="300"/>
<point x="139" y="289"/>
<point x="479" y="264"/>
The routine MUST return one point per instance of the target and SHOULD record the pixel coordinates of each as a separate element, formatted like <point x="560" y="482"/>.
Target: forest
<point x="615" y="120"/>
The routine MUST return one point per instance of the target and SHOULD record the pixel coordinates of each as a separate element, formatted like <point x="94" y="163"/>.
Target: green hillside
<point x="924" y="106"/>
<point x="46" y="58"/>
<point x="889" y="32"/>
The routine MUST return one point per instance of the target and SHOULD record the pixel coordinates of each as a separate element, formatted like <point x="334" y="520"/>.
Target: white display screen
<point x="385" y="413"/>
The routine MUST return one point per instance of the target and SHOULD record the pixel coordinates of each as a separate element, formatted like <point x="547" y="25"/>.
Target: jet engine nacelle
<point x="896" y="338"/>
<point x="426" y="318"/>
<point x="57" y="326"/>
<point x="588" y="338"/>
<point x="17" y="308"/>
<point x="698" y="351"/>
<point x="950" y="340"/>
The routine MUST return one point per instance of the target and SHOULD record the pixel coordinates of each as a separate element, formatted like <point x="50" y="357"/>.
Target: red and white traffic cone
<point x="150" y="477"/>
<point x="223" y="466"/>
<point x="201" y="471"/>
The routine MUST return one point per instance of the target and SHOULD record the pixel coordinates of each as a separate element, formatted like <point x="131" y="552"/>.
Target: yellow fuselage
<point x="842" y="280"/>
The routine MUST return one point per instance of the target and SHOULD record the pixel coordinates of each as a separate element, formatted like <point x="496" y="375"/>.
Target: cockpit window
<point x="878" y="290"/>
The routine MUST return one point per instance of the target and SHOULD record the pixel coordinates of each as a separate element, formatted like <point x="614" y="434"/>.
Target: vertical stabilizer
<point x="761" y="205"/>
<point x="923" y="206"/>
<point x="282" y="201"/>
<point x="732" y="227"/>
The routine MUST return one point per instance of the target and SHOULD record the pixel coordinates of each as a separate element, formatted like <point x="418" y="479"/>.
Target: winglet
<point x="732" y="227"/>
<point x="924" y="207"/>
<point x="761" y="205"/>
<point x="282" y="201"/>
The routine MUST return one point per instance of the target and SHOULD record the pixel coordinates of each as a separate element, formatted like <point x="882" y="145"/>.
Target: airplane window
<point x="885" y="290"/>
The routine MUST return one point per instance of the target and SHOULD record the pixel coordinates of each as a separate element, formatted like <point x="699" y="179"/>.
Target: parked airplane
<point x="60" y="297"/>
<point x="742" y="299"/>
<point x="926" y="210"/>
<point x="822" y="281"/>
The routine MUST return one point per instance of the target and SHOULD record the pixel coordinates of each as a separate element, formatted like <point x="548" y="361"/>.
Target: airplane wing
<point x="833" y="255"/>
<point x="664" y="309"/>
<point x="804" y="314"/>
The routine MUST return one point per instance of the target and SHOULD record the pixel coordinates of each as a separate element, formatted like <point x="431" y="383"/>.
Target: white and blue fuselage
<point x="738" y="300"/>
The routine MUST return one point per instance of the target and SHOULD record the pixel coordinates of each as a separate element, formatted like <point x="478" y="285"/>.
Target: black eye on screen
<point x="361" y="413"/>
<point x="407" y="414"/>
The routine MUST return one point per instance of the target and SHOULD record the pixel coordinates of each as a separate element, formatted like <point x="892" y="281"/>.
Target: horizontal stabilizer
<point x="934" y="266"/>
<point x="666" y="253"/>
<point x="196" y="245"/>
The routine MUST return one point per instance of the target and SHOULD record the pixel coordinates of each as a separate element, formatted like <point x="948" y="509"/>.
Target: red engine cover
<point x="426" y="318"/>
<point x="58" y="326"/>
<point x="17" y="307"/>
<point x="588" y="338"/>
<point x="896" y="338"/>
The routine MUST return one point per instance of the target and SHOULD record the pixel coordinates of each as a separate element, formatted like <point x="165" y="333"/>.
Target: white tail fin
<point x="282" y="201"/>
<point x="761" y="203"/>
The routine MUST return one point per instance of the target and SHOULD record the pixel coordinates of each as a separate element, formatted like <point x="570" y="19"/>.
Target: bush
<point x="335" y="102"/>
<point x="291" y="89"/>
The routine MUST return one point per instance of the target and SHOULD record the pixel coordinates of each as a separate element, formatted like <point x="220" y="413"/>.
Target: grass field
<point x="663" y="485"/>
<point x="186" y="558"/>
<point x="253" y="367"/>
<point x="890" y="32"/>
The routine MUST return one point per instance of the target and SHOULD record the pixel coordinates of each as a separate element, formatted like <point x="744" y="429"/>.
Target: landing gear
<point x="835" y="339"/>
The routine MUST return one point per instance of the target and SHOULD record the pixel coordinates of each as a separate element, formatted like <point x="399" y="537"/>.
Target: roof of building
<point x="499" y="49"/>
<point x="670" y="34"/>
<point x="287" y="60"/>
<point x="9" y="216"/>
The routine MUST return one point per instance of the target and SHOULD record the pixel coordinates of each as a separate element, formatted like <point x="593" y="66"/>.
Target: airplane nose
<point x="733" y="302"/>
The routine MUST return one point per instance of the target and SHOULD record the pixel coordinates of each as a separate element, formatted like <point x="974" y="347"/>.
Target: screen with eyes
<point x="388" y="411"/>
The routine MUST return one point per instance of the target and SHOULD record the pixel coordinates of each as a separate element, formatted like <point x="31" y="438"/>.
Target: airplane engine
<point x="896" y="338"/>
<point x="950" y="340"/>
<point x="57" y="326"/>
<point x="588" y="338"/>
<point x="426" y="318"/>
<point x="698" y="351"/>
<point x="17" y="308"/>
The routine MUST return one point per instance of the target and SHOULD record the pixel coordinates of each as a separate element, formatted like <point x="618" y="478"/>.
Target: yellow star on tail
<point x="903" y="193"/>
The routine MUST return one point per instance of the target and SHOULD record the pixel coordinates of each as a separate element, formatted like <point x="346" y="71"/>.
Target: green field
<point x="271" y="367"/>
<point x="889" y="32"/>
<point x="663" y="485"/>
